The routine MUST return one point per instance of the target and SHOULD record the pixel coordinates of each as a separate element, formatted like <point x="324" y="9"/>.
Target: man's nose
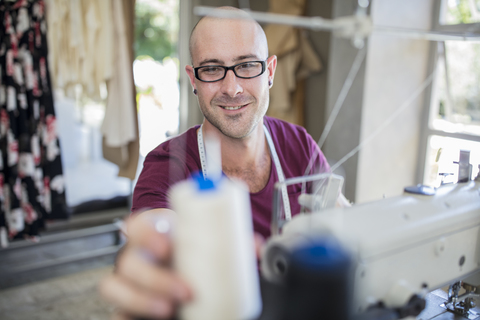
<point x="231" y="85"/>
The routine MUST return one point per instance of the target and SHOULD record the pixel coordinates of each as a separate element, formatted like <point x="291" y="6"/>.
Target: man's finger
<point x="119" y="315"/>
<point x="146" y="275"/>
<point x="134" y="301"/>
<point x="150" y="230"/>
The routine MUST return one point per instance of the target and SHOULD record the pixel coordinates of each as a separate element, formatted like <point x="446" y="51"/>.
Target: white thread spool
<point x="214" y="250"/>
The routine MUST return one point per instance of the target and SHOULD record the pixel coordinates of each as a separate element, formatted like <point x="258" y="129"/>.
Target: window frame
<point x="426" y="131"/>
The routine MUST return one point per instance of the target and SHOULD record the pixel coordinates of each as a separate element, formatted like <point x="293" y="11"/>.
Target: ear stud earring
<point x="195" y="91"/>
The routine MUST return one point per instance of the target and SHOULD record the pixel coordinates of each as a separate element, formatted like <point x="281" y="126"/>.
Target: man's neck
<point x="247" y="159"/>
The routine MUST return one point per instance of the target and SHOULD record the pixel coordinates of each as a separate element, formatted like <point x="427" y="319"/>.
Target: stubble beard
<point x="240" y="125"/>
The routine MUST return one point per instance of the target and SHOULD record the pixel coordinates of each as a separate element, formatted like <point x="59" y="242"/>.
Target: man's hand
<point x="143" y="283"/>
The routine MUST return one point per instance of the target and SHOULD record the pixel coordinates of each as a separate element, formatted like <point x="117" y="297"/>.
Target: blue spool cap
<point x="204" y="184"/>
<point x="321" y="255"/>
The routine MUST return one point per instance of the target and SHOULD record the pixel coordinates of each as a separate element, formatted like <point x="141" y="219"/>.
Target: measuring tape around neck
<point x="201" y="152"/>
<point x="281" y="176"/>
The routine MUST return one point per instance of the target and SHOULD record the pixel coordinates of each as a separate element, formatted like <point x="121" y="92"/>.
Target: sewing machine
<point x="401" y="247"/>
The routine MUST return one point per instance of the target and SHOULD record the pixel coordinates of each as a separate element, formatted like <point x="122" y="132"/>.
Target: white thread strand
<point x="342" y="95"/>
<point x="201" y="152"/>
<point x="281" y="176"/>
<point x="338" y="105"/>
<point x="387" y="122"/>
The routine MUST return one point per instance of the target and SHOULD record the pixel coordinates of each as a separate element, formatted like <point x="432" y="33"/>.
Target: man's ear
<point x="191" y="75"/>
<point x="271" y="67"/>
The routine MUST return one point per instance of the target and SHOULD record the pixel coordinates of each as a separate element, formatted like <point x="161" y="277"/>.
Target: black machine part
<point x="413" y="308"/>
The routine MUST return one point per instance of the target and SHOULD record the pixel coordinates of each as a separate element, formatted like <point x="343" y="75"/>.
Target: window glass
<point x="456" y="104"/>
<point x="156" y="71"/>
<point x="460" y="12"/>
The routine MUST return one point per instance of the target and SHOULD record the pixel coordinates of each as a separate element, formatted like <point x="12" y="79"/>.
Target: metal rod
<point x="315" y="23"/>
<point x="318" y="23"/>
<point x="427" y="35"/>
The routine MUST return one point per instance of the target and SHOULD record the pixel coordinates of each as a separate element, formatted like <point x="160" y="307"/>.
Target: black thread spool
<point x="319" y="282"/>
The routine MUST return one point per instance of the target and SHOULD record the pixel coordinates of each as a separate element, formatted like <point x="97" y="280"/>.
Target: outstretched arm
<point x="143" y="283"/>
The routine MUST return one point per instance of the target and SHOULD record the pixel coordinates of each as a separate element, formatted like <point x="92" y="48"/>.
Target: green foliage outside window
<point x="156" y="28"/>
<point x="463" y="11"/>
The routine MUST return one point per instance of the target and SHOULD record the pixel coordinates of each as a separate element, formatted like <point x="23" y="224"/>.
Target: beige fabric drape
<point x="124" y="152"/>
<point x="80" y="45"/>
<point x="296" y="61"/>
<point x="90" y="44"/>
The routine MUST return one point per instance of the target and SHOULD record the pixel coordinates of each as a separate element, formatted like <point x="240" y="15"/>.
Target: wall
<point x="396" y="67"/>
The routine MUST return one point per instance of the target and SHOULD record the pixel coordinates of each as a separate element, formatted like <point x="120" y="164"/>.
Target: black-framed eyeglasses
<point x="244" y="70"/>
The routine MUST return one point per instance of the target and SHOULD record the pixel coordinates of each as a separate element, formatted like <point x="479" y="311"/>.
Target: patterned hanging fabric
<point x="31" y="181"/>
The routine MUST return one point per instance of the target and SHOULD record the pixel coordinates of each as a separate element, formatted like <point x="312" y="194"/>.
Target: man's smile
<point x="233" y="107"/>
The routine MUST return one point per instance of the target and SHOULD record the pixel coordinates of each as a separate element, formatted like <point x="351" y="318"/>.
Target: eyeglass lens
<point x="243" y="70"/>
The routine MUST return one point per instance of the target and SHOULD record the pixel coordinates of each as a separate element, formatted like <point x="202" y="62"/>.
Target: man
<point x="231" y="76"/>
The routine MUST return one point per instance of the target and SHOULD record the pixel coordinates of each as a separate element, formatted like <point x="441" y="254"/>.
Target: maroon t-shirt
<point x="176" y="159"/>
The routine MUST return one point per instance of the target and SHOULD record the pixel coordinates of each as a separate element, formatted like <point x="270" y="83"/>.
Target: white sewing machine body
<point x="402" y="246"/>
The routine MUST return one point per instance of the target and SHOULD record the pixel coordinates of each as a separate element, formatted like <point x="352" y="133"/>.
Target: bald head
<point x="246" y="29"/>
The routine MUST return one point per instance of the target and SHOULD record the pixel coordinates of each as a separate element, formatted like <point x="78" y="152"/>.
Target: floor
<point x="76" y="297"/>
<point x="67" y="297"/>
